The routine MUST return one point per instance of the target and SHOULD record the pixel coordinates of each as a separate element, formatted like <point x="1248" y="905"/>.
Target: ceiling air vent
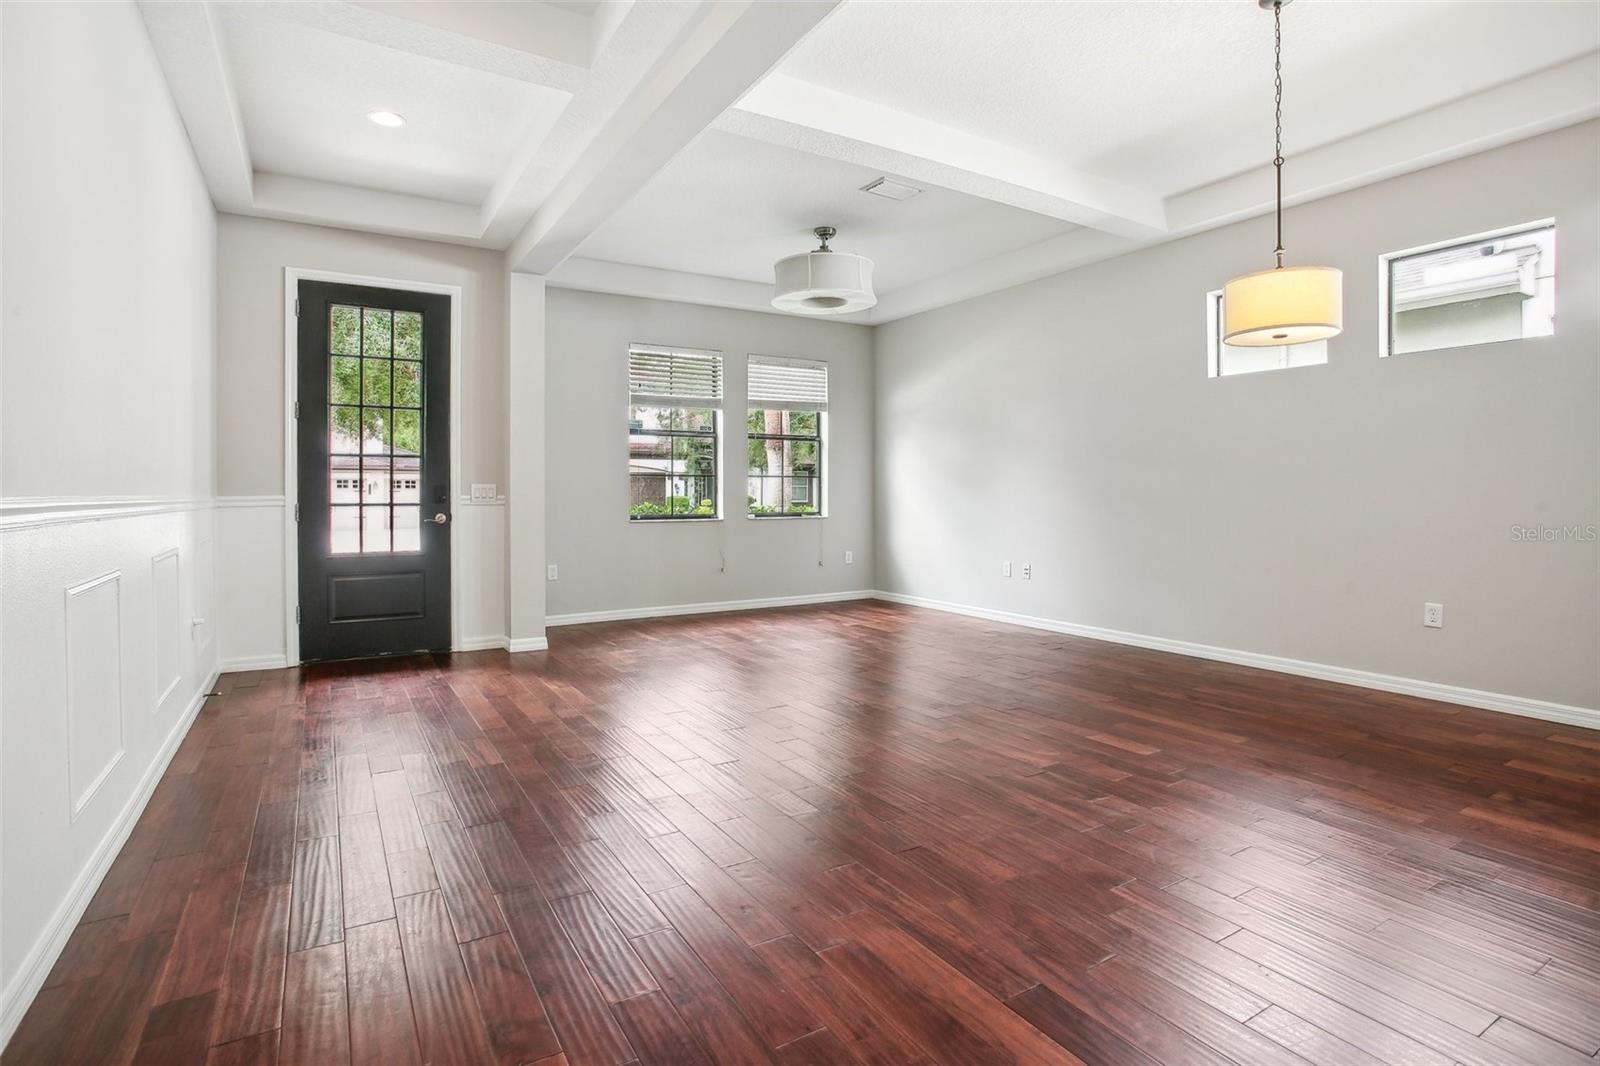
<point x="890" y="189"/>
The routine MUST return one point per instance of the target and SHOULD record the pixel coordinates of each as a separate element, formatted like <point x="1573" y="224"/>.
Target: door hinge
<point x="297" y="307"/>
<point x="297" y="614"/>
<point x="297" y="512"/>
<point x="297" y="409"/>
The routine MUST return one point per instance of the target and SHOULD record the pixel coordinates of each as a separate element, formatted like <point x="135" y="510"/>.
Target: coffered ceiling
<point x="677" y="148"/>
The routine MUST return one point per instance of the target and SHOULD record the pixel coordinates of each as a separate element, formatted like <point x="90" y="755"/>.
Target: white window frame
<point x="1384" y="317"/>
<point x="720" y="422"/>
<point x="1214" y="344"/>
<point x="824" y="449"/>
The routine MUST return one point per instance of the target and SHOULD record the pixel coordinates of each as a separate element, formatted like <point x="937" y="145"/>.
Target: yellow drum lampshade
<point x="1287" y="305"/>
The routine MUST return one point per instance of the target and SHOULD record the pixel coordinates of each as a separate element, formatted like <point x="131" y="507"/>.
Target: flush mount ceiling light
<point x="387" y="119"/>
<point x="1284" y="305"/>
<point x="823" y="282"/>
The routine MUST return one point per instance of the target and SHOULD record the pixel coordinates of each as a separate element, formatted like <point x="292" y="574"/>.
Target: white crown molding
<point x="1522" y="706"/>
<point x="52" y="939"/>
<point x="32" y="512"/>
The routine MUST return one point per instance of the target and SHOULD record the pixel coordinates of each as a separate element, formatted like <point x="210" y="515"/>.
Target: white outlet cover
<point x="1005" y="569"/>
<point x="849" y="558"/>
<point x="1433" y="615"/>
<point x="550" y="572"/>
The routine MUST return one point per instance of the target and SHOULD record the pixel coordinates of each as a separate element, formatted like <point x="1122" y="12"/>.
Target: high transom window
<point x="674" y="414"/>
<point x="374" y="429"/>
<point x="788" y="407"/>
<point x="1498" y="286"/>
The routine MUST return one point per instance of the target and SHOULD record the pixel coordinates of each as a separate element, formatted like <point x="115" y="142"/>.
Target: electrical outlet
<point x="550" y="572"/>
<point x="1433" y="615"/>
<point x="1005" y="568"/>
<point x="849" y="558"/>
<point x="1027" y="571"/>
<point x="483" y="492"/>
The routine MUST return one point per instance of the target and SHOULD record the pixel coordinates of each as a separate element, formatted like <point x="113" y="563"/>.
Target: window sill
<point x="672" y="521"/>
<point x="782" y="517"/>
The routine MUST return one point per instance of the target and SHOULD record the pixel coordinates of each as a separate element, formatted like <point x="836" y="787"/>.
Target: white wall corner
<point x="525" y="506"/>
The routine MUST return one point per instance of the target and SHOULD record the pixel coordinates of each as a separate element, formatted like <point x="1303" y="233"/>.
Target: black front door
<point x="374" y="471"/>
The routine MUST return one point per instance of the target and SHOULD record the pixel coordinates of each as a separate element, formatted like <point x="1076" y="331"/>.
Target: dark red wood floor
<point x="861" y="833"/>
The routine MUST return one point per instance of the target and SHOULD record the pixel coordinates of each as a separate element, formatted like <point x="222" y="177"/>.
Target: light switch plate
<point x="483" y="492"/>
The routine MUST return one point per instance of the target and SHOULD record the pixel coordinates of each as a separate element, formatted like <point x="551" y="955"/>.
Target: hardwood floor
<point x="860" y="833"/>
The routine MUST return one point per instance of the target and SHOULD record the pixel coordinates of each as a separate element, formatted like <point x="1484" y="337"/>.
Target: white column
<point x="525" y="540"/>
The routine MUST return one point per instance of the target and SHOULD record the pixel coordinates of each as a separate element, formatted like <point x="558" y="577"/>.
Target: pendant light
<point x="823" y="282"/>
<point x="1284" y="305"/>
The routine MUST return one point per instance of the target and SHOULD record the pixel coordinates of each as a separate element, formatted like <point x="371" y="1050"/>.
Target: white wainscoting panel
<point x="250" y="579"/>
<point x="250" y="589"/>
<point x="165" y="588"/>
<point x="95" y="602"/>
<point x="480" y="543"/>
<point x="94" y="686"/>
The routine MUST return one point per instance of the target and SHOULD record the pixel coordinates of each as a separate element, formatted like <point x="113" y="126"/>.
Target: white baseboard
<point x="36" y="966"/>
<point x="529" y="643"/>
<point x="483" y="644"/>
<point x="253" y="662"/>
<point x="626" y="613"/>
<point x="1432" y="690"/>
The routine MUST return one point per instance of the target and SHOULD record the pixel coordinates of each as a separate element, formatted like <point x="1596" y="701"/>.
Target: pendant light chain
<point x="1277" y="104"/>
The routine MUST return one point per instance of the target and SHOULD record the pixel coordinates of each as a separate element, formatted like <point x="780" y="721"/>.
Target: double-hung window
<point x="788" y="411"/>
<point x="674" y="405"/>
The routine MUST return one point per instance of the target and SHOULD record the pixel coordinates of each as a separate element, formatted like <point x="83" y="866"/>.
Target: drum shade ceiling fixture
<point x="1284" y="305"/>
<point x="823" y="282"/>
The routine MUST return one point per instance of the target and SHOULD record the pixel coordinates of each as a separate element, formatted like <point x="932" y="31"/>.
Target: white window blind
<point x="788" y="384"/>
<point x="674" y="377"/>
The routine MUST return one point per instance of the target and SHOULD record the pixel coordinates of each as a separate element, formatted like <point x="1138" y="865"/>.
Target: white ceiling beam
<point x="811" y="118"/>
<point x="189" y="46"/>
<point x="717" y="57"/>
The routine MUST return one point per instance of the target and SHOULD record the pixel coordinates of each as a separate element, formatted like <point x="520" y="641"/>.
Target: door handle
<point x="440" y="519"/>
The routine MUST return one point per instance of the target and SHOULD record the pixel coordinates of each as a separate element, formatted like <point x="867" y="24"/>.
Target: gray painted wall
<point x="608" y="563"/>
<point x="1306" y="513"/>
<point x="252" y="254"/>
<point x="109" y="266"/>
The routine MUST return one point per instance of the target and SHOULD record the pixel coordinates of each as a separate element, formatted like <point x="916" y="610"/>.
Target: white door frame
<point x="292" y="276"/>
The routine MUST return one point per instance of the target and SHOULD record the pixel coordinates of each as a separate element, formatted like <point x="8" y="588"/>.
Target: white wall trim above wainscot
<point x="1522" y="706"/>
<point x="250" y="501"/>
<point x="31" y="512"/>
<point x="52" y="940"/>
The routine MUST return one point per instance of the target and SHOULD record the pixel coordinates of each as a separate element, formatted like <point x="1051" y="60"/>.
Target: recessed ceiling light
<point x="387" y="119"/>
<point x="890" y="189"/>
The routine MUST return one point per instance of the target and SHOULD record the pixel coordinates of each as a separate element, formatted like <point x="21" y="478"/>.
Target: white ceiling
<point x="1172" y="95"/>
<point x="729" y="206"/>
<point x="304" y="94"/>
<point x="677" y="148"/>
